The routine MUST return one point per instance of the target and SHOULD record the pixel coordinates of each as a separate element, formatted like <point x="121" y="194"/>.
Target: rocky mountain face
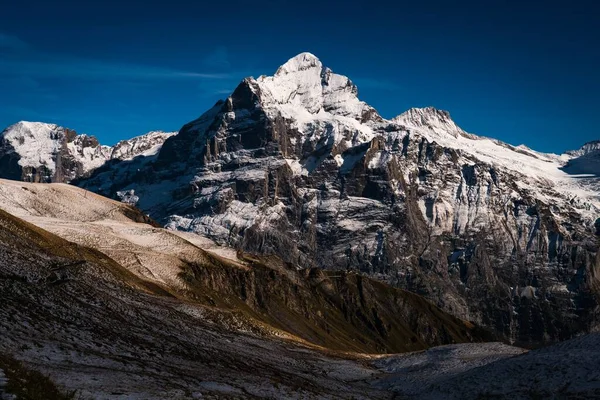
<point x="98" y="304"/>
<point x="92" y="293"/>
<point x="297" y="166"/>
<point x="39" y="152"/>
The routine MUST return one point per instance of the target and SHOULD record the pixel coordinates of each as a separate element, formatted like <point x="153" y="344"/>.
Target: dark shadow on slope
<point x="333" y="309"/>
<point x="29" y="384"/>
<point x="107" y="333"/>
<point x="118" y="173"/>
<point x="587" y="164"/>
<point x="9" y="162"/>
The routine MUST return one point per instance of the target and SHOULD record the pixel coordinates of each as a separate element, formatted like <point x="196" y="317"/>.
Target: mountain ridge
<point x="42" y="152"/>
<point x="295" y="165"/>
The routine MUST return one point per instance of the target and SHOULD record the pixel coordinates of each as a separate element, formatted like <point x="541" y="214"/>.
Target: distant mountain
<point x="585" y="160"/>
<point x="40" y="152"/>
<point x="589" y="147"/>
<point x="296" y="165"/>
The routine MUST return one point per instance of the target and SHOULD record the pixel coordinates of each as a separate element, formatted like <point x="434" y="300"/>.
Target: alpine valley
<point x="289" y="243"/>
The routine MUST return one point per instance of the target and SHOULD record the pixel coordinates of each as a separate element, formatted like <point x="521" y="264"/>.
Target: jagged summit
<point x="317" y="102"/>
<point x="301" y="62"/>
<point x="146" y="144"/>
<point x="589" y="147"/>
<point x="425" y="113"/>
<point x="437" y="120"/>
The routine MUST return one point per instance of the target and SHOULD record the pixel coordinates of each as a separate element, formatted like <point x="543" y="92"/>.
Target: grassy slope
<point x="27" y="234"/>
<point x="337" y="311"/>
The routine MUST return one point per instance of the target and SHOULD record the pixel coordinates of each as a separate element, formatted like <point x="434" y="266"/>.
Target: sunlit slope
<point x="334" y="310"/>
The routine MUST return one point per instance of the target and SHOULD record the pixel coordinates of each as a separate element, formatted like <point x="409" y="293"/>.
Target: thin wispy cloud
<point x="29" y="62"/>
<point x="11" y="42"/>
<point x="218" y="58"/>
<point x="50" y="67"/>
<point x="212" y="90"/>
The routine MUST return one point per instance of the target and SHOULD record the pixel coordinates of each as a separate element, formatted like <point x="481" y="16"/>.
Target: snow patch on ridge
<point x="535" y="168"/>
<point x="40" y="144"/>
<point x="37" y="143"/>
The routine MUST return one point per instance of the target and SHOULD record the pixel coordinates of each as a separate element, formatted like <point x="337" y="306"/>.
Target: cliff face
<point x="108" y="307"/>
<point x="338" y="311"/>
<point x="297" y="166"/>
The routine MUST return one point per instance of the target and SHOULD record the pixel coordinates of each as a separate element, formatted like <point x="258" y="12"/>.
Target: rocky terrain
<point x="567" y="370"/>
<point x="97" y="329"/>
<point x="125" y="308"/>
<point x="39" y="152"/>
<point x="339" y="311"/>
<point x="100" y="303"/>
<point x="296" y="166"/>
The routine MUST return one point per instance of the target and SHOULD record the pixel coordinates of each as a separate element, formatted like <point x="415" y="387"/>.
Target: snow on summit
<point x="304" y="82"/>
<point x="301" y="62"/>
<point x="316" y="100"/>
<point x="438" y="121"/>
<point x="35" y="142"/>
<point x="41" y="152"/>
<point x="325" y="107"/>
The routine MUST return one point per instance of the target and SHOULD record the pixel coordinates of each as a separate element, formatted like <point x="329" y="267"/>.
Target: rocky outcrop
<point x="297" y="166"/>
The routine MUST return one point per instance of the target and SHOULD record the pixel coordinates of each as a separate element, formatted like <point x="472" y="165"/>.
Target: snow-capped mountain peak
<point x="301" y="62"/>
<point x="438" y="121"/>
<point x="589" y="147"/>
<point x="147" y="144"/>
<point x="316" y="100"/>
<point x="42" y="152"/>
<point x="34" y="141"/>
<point x="303" y="82"/>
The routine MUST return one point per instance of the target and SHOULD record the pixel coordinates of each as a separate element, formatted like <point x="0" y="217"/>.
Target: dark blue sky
<point x="523" y="73"/>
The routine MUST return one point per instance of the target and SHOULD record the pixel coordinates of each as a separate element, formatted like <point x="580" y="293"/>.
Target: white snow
<point x="534" y="168"/>
<point x="89" y="157"/>
<point x="319" y="102"/>
<point x="145" y="145"/>
<point x="296" y="167"/>
<point x="38" y="144"/>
